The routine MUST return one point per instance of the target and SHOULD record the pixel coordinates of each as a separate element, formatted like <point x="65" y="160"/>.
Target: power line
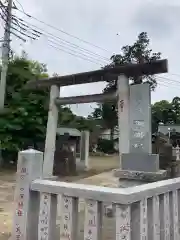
<point x="36" y="33"/>
<point x="19" y="4"/>
<point x="73" y="54"/>
<point x="2" y="23"/>
<point x="26" y="35"/>
<point x="62" y="31"/>
<point x="4" y="11"/>
<point x="11" y="32"/>
<point x="25" y="28"/>
<point x="175" y="74"/>
<point x="167" y="85"/>
<point x="72" y="51"/>
<point x="48" y="35"/>
<point x="172" y="80"/>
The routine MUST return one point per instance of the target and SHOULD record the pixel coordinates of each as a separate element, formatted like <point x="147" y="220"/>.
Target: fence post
<point x="26" y="209"/>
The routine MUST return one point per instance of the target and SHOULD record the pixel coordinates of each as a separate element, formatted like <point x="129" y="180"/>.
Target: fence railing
<point x="146" y="212"/>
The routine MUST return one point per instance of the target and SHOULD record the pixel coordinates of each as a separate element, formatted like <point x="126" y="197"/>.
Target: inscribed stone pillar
<point x="50" y="143"/>
<point x="140" y="119"/>
<point x="123" y="114"/>
<point x="26" y="202"/>
<point x="84" y="148"/>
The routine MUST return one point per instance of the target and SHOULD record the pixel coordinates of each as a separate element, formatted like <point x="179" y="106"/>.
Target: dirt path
<point x="7" y="185"/>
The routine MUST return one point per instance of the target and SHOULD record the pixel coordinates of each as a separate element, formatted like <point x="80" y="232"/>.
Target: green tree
<point x="107" y="113"/>
<point x="165" y="112"/>
<point x="25" y="122"/>
<point x="66" y="116"/>
<point x="138" y="52"/>
<point x="176" y="108"/>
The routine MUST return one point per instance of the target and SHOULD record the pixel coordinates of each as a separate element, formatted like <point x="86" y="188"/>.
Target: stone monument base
<point x="142" y="162"/>
<point x="51" y="178"/>
<point x="128" y="178"/>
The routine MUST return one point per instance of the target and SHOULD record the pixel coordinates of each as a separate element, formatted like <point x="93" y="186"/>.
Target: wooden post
<point x="25" y="223"/>
<point x="51" y="133"/>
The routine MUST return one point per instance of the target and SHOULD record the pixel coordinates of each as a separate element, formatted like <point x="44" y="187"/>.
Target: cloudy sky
<point x="109" y="25"/>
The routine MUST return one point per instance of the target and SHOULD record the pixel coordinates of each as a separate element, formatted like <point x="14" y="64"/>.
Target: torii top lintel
<point x="107" y="74"/>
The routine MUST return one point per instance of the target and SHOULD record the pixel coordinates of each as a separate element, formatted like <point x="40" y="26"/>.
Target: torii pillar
<point x="123" y="114"/>
<point x="50" y="143"/>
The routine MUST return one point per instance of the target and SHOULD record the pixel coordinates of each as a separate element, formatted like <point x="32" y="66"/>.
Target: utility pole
<point x="5" y="60"/>
<point x="5" y="53"/>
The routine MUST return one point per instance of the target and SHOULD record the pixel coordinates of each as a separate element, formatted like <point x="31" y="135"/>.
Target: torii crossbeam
<point x="107" y="74"/>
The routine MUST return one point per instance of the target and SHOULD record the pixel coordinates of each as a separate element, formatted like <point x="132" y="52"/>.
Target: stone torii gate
<point x="121" y="74"/>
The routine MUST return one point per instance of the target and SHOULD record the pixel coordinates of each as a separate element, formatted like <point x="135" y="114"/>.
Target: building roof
<point x="169" y="125"/>
<point x="166" y="128"/>
<point x="73" y="132"/>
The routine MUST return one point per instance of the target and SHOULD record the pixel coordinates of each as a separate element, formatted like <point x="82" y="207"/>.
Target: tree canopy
<point x="138" y="52"/>
<point x="26" y="119"/>
<point x="166" y="112"/>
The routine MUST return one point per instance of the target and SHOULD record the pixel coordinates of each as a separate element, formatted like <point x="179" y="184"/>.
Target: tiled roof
<point x="73" y="132"/>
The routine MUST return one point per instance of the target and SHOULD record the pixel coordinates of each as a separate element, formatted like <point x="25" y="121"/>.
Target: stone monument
<point x="139" y="166"/>
<point x="65" y="158"/>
